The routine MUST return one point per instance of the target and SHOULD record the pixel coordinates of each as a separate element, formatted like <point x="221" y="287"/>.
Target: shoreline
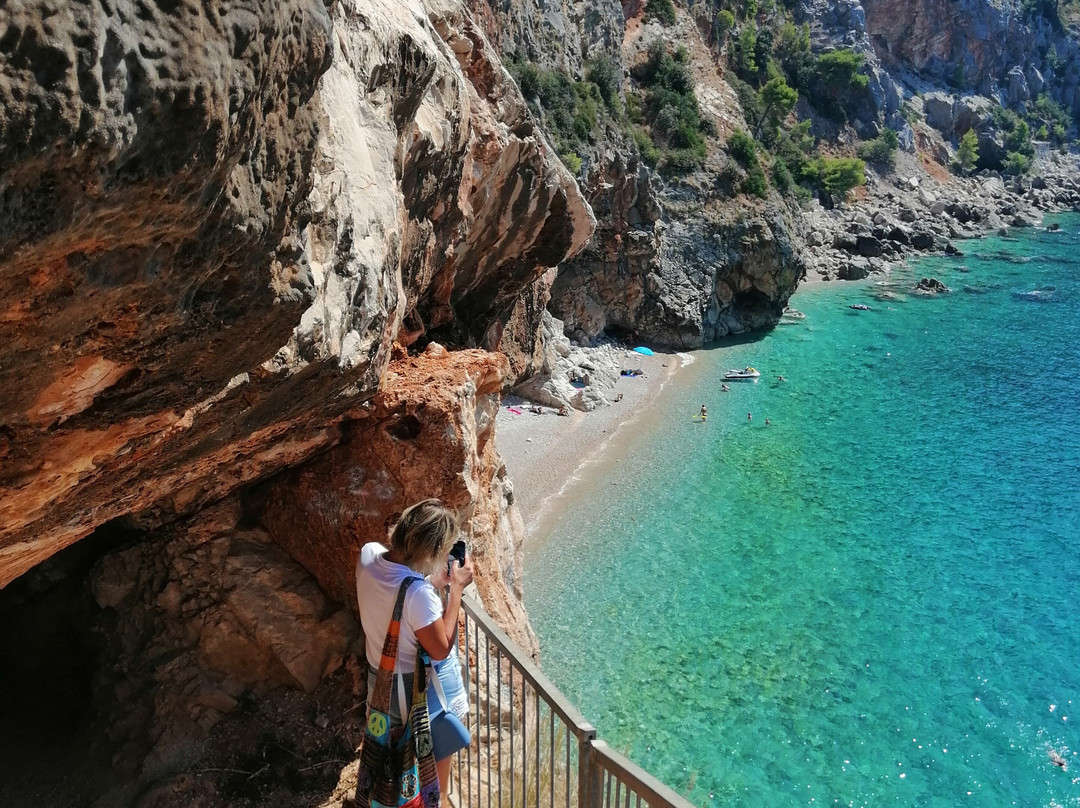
<point x="549" y="457"/>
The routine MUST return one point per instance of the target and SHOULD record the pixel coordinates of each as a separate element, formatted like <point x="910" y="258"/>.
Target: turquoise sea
<point x="875" y="600"/>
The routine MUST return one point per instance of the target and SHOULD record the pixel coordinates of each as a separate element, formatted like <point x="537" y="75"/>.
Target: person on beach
<point x="420" y="544"/>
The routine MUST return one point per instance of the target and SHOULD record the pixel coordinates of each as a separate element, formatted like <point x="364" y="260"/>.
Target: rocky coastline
<point x="910" y="213"/>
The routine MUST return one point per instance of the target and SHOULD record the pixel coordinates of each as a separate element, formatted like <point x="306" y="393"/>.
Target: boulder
<point x="973" y="112"/>
<point x="931" y="286"/>
<point x="868" y="246"/>
<point x="900" y="235"/>
<point x="938" y="108"/>
<point x="1017" y="91"/>
<point x="854" y="270"/>
<point x="922" y="240"/>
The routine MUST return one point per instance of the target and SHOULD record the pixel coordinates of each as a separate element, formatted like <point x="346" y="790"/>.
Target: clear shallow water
<point x="873" y="600"/>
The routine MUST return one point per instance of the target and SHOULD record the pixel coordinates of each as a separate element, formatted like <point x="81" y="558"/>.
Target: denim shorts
<point x="448" y="734"/>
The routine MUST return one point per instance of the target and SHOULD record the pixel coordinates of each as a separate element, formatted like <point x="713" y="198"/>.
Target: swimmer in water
<point x="1056" y="758"/>
<point x="703" y="412"/>
<point x="725" y="389"/>
<point x="749" y="417"/>
<point x="767" y="422"/>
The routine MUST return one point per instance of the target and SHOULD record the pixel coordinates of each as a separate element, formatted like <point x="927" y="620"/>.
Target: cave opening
<point x="48" y="662"/>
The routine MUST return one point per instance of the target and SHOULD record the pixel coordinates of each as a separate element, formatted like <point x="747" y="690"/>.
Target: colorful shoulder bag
<point x="397" y="764"/>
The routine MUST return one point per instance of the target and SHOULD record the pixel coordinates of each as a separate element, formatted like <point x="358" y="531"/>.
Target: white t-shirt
<point x="377" y="584"/>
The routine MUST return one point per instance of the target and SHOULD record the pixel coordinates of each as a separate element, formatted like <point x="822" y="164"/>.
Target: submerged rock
<point x="931" y="286"/>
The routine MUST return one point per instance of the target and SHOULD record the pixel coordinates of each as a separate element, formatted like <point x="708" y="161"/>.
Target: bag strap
<point x="380" y="699"/>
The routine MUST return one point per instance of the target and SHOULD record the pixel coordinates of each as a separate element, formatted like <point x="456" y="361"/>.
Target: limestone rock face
<point x="994" y="47"/>
<point x="208" y="252"/>
<point x="719" y="271"/>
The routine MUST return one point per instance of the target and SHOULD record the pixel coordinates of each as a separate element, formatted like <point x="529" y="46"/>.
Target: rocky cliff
<point x="210" y="251"/>
<point x="679" y="261"/>
<point x="218" y="224"/>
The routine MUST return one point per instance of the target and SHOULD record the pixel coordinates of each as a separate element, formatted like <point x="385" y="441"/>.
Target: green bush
<point x="570" y="110"/>
<point x="671" y="110"/>
<point x="725" y="21"/>
<point x="745" y="47"/>
<point x="880" y="151"/>
<point x="1017" y="163"/>
<point x="681" y="161"/>
<point x="660" y="10"/>
<point x="606" y="74"/>
<point x="840" y="174"/>
<point x="1019" y="139"/>
<point x="781" y="177"/>
<point x="1053" y="119"/>
<point x="649" y="153"/>
<point x="796" y="148"/>
<point x="755" y="183"/>
<point x="835" y="84"/>
<point x="742" y="149"/>
<point x="571" y="161"/>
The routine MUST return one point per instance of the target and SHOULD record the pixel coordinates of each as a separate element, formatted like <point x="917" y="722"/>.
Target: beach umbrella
<point x="641" y="349"/>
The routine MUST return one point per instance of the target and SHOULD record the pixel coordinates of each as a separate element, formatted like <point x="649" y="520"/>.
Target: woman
<point x="419" y="546"/>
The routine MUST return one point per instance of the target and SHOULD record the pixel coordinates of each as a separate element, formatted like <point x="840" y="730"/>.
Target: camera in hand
<point x="458" y="552"/>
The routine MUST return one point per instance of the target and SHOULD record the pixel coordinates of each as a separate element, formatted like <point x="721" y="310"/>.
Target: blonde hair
<point x="424" y="534"/>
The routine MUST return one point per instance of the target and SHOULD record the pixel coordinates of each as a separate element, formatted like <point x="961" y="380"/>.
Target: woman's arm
<point x="439" y="637"/>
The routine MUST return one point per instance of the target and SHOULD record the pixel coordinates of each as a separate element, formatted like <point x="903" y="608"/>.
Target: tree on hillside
<point x="967" y="154"/>
<point x="777" y="100"/>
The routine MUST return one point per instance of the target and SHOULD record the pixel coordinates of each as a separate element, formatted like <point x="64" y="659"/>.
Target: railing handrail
<point x="595" y="757"/>
<point x="581" y="728"/>
<point x="640" y="781"/>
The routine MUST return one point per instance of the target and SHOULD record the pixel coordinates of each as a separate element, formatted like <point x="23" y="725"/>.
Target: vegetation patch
<point x="572" y="110"/>
<point x="668" y="112"/>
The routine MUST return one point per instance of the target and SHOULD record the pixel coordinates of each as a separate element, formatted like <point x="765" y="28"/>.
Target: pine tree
<point x="967" y="155"/>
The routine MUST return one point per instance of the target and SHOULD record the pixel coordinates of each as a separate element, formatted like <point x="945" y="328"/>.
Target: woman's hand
<point x="461" y="577"/>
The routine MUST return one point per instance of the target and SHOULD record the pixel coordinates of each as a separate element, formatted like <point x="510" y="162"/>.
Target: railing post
<point x="589" y="775"/>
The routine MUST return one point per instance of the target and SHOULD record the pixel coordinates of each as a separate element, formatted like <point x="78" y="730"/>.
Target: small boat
<point x="860" y="307"/>
<point x="746" y="373"/>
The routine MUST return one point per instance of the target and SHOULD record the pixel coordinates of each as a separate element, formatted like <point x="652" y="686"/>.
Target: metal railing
<point x="531" y="748"/>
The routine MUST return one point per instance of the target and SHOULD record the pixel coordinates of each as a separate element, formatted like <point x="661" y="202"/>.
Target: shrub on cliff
<point x="606" y="74"/>
<point x="671" y="109"/>
<point x="661" y="10"/>
<point x="755" y="183"/>
<point x="835" y="85"/>
<point x="840" y="174"/>
<point x="881" y="151"/>
<point x="570" y="110"/>
<point x="742" y="149"/>
<point x="723" y="24"/>
<point x="1017" y="163"/>
<point x="1052" y="118"/>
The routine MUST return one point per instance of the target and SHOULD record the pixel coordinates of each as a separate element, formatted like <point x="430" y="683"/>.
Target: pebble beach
<point x="550" y="458"/>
